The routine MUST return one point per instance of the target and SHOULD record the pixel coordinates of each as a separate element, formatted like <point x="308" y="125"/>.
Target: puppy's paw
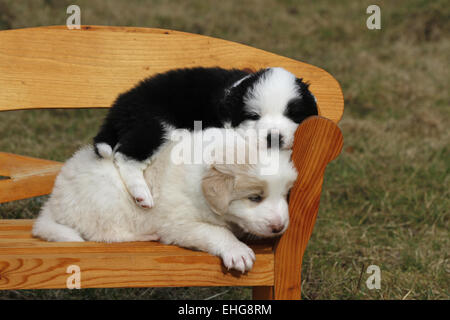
<point x="104" y="150"/>
<point x="142" y="196"/>
<point x="239" y="257"/>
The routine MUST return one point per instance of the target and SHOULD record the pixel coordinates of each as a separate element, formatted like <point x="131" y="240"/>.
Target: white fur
<point x="90" y="202"/>
<point x="104" y="150"/>
<point x="131" y="172"/>
<point x="273" y="211"/>
<point x="269" y="98"/>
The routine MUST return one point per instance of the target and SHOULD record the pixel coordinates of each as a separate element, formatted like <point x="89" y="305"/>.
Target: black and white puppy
<point x="140" y="120"/>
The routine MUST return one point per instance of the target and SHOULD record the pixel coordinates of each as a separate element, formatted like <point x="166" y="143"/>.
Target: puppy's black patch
<point x="300" y="108"/>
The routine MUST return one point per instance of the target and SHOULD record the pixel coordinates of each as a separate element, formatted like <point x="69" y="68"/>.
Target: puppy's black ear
<point x="234" y="100"/>
<point x="304" y="106"/>
<point x="217" y="189"/>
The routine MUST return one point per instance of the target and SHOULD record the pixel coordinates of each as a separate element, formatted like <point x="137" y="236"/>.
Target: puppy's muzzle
<point x="277" y="227"/>
<point x="274" y="140"/>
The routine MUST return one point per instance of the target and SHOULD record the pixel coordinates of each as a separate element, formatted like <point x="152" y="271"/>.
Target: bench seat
<point x="30" y="263"/>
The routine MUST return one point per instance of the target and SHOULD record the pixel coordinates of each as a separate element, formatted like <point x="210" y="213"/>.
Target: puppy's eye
<point x="253" y="116"/>
<point x="255" y="198"/>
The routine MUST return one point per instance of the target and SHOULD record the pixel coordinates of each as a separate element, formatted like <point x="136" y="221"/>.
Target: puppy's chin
<point x="255" y="234"/>
<point x="269" y="234"/>
<point x="259" y="236"/>
<point x="263" y="145"/>
<point x="287" y="146"/>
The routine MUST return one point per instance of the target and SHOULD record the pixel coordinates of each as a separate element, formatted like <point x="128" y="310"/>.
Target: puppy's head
<point x="255" y="202"/>
<point x="274" y="102"/>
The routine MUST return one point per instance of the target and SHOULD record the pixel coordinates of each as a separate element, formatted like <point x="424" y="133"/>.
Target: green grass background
<point x="385" y="199"/>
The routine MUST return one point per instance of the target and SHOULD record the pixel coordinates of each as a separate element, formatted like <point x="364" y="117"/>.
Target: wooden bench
<point x="52" y="67"/>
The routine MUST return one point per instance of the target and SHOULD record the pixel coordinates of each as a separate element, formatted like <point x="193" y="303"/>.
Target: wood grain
<point x="53" y="67"/>
<point x="317" y="142"/>
<point x="28" y="263"/>
<point x="27" y="176"/>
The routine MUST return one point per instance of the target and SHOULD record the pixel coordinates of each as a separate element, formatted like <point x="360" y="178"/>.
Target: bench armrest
<point x="317" y="142"/>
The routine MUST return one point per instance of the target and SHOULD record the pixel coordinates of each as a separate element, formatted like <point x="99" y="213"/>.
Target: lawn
<point x="385" y="200"/>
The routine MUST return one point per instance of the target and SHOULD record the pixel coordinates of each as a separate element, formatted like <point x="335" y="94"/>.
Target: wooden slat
<point x="16" y="166"/>
<point x="28" y="187"/>
<point x="28" y="263"/>
<point x="53" y="67"/>
<point x="317" y="142"/>
<point x="28" y="177"/>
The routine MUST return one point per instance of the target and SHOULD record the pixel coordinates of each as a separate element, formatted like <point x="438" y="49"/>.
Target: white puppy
<point x="201" y="206"/>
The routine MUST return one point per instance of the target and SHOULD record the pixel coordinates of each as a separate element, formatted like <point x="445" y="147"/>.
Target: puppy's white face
<point x="281" y="102"/>
<point x="255" y="202"/>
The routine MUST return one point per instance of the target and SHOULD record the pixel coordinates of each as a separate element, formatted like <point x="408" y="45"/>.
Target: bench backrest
<point x="54" y="67"/>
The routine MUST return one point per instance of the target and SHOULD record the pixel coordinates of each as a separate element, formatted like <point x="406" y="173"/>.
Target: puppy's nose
<point x="274" y="136"/>
<point x="277" y="228"/>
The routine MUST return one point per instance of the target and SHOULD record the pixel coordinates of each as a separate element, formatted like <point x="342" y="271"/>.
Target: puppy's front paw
<point x="142" y="196"/>
<point x="239" y="257"/>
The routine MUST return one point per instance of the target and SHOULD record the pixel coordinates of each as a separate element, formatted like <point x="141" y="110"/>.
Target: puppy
<point x="205" y="206"/>
<point x="271" y="101"/>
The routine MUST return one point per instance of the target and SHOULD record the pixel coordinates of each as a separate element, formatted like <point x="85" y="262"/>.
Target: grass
<point x="386" y="198"/>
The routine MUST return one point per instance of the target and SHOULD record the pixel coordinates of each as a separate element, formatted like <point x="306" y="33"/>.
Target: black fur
<point x="180" y="97"/>
<point x="299" y="109"/>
